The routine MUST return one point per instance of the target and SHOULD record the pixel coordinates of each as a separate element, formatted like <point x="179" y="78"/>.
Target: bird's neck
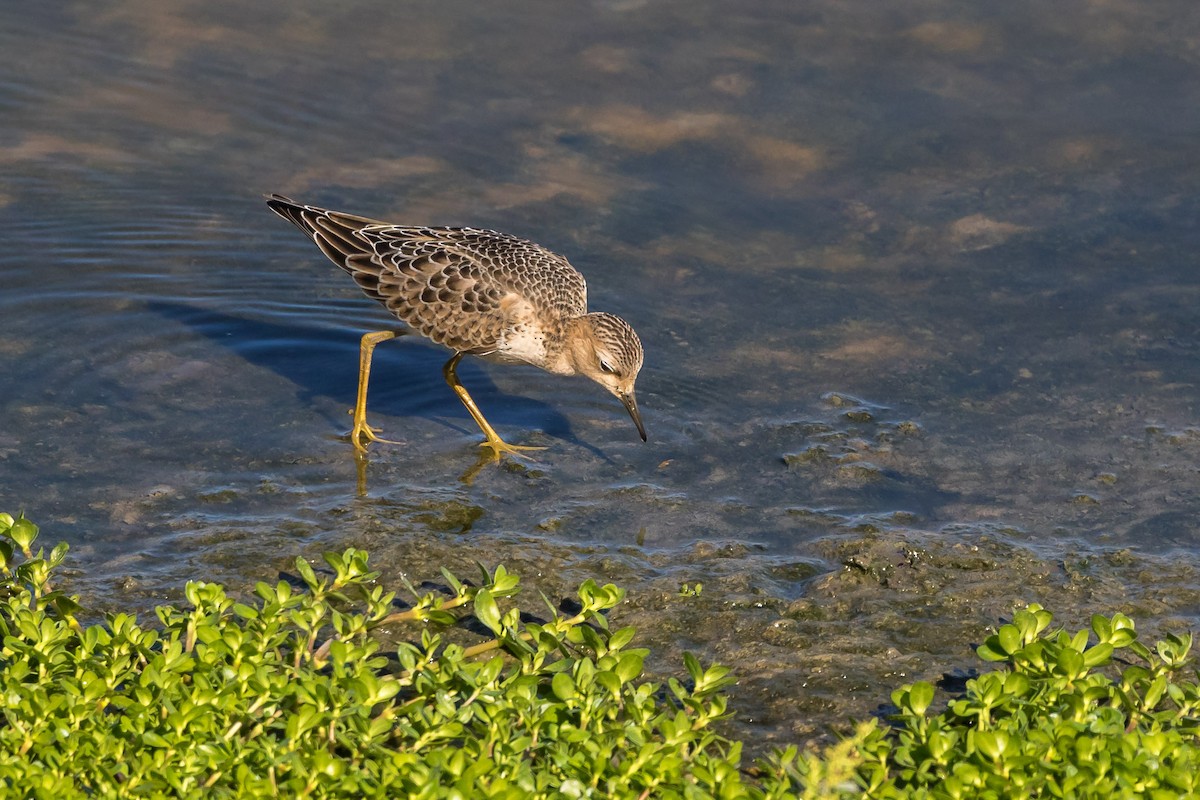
<point x="565" y="358"/>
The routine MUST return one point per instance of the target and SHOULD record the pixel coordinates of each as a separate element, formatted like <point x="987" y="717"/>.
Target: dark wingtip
<point x="278" y="201"/>
<point x="290" y="210"/>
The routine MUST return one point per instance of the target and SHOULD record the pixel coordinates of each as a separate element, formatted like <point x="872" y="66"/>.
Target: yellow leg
<point x="493" y="441"/>
<point x="363" y="434"/>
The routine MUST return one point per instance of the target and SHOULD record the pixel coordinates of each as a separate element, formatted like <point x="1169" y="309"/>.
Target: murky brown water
<point x="917" y="284"/>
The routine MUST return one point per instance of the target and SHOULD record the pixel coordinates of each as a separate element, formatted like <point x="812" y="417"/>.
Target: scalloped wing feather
<point x="456" y="286"/>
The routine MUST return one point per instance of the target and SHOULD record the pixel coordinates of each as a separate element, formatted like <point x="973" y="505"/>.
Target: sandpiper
<point x="478" y="292"/>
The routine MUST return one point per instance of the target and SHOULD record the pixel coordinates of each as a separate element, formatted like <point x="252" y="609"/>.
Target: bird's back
<point x="461" y="287"/>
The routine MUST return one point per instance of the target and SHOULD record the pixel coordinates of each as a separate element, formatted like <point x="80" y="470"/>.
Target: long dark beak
<point x="630" y="403"/>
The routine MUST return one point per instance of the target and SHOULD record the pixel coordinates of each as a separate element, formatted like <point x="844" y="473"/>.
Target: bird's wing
<point x="455" y="286"/>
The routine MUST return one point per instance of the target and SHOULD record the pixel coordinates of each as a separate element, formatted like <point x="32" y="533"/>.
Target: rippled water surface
<point x="917" y="284"/>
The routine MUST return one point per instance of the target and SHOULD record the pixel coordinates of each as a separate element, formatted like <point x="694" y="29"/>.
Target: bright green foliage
<point x="1050" y="725"/>
<point x="292" y="695"/>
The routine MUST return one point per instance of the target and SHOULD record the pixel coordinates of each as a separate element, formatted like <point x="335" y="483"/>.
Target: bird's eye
<point x="607" y="367"/>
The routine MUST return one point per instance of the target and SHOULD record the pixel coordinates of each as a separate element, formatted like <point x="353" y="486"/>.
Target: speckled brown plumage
<point x="478" y="292"/>
<point x="447" y="283"/>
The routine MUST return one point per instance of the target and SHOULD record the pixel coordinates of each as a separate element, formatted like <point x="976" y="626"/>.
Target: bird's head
<point x="607" y="350"/>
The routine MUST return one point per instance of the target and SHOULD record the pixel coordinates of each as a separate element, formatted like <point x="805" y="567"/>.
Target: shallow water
<point x="917" y="287"/>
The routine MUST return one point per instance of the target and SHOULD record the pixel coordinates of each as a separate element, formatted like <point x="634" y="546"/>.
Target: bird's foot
<point x="363" y="434"/>
<point x="499" y="447"/>
<point x="493" y="449"/>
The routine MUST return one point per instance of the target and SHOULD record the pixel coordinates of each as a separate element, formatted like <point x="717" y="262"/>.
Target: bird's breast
<point x="522" y="343"/>
<point x="529" y="337"/>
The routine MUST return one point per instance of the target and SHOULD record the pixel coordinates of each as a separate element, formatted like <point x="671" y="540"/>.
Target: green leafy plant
<point x="293" y="694"/>
<point x="1052" y="723"/>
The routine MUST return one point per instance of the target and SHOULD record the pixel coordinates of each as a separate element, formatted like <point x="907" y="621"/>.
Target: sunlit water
<point x="917" y="285"/>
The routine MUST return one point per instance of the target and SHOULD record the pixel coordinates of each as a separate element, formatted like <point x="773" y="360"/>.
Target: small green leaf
<point x="66" y="607"/>
<point x="336" y="562"/>
<point x="609" y="681"/>
<point x="23" y="532"/>
<point x="306" y="572"/>
<point x="1017" y="684"/>
<point x="152" y="739"/>
<point x="1070" y="663"/>
<point x="1009" y="639"/>
<point x="562" y="686"/>
<point x="487" y="612"/>
<point x="940" y="743"/>
<point x="629" y="667"/>
<point x="244" y="611"/>
<point x="620" y="638"/>
<point x="1154" y="692"/>
<point x="992" y="650"/>
<point x="1140" y="649"/>
<point x="920" y="696"/>
<point x="504" y="583"/>
<point x="1097" y="655"/>
<point x="490" y="671"/>
<point x="58" y="554"/>
<point x="993" y="744"/>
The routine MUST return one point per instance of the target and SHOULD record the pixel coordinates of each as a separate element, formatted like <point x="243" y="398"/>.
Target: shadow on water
<point x="913" y="493"/>
<point x="319" y="366"/>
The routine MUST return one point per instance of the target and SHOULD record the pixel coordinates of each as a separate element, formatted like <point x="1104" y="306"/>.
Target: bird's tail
<point x="335" y="232"/>
<point x="310" y="218"/>
<point x="292" y="211"/>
